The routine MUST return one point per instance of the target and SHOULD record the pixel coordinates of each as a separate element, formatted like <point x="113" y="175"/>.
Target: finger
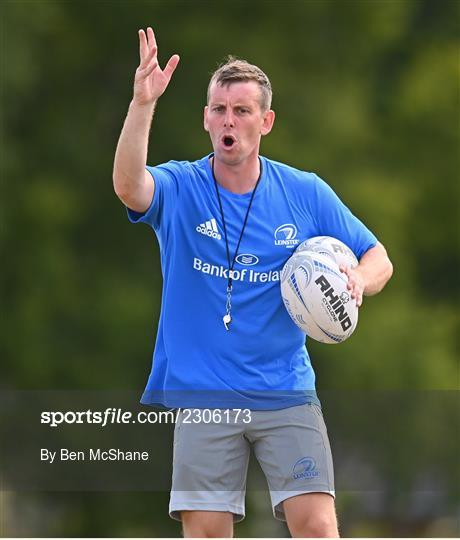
<point x="151" y="38"/>
<point x="151" y="54"/>
<point x="171" y="66"/>
<point x="143" y="73"/>
<point x="150" y="68"/>
<point x="358" y="292"/>
<point x="143" y="46"/>
<point x="354" y="287"/>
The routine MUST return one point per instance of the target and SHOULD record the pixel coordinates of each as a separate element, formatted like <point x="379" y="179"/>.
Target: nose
<point x="229" y="120"/>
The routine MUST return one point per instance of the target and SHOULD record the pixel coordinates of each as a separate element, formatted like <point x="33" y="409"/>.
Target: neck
<point x="238" y="178"/>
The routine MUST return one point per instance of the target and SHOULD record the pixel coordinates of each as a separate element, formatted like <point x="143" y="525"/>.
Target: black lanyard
<point x="227" y="318"/>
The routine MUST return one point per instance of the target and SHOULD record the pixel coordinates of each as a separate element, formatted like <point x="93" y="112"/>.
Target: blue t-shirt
<point x="262" y="361"/>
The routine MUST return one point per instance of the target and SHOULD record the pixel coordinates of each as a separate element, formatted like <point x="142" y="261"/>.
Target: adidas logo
<point x="209" y="228"/>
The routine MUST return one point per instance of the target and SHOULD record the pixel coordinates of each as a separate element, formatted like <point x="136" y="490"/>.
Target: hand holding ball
<point x="315" y="293"/>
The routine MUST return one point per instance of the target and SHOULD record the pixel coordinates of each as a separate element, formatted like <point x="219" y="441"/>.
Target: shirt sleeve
<point x="334" y="219"/>
<point x="167" y="183"/>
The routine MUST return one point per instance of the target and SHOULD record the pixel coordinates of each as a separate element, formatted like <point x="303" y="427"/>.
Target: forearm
<point x="132" y="183"/>
<point x="131" y="153"/>
<point x="376" y="269"/>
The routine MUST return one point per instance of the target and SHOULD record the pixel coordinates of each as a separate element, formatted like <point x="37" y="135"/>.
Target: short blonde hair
<point x="236" y="70"/>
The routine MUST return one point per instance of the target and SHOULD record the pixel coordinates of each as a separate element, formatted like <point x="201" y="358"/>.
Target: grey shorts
<point x="211" y="455"/>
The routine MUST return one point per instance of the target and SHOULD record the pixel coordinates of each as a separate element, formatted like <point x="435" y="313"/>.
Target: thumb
<point x="171" y="66"/>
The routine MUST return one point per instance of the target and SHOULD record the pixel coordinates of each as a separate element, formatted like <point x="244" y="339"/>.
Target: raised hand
<point x="150" y="80"/>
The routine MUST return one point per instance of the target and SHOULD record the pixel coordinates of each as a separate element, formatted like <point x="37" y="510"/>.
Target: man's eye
<point x="218" y="108"/>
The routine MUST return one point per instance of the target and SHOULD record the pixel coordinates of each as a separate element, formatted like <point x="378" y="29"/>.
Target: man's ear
<point x="205" y="118"/>
<point x="268" y="121"/>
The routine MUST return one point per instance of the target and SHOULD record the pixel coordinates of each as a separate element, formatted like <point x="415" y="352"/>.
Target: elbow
<point x="384" y="273"/>
<point x="388" y="265"/>
<point x="135" y="195"/>
<point x="120" y="193"/>
<point x="389" y="271"/>
<point x="121" y="189"/>
<point x="117" y="184"/>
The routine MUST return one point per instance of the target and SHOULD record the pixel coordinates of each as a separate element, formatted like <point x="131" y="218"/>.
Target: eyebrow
<point x="236" y="104"/>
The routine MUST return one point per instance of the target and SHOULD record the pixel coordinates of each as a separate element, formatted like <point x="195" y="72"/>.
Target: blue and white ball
<point x="330" y="247"/>
<point x="315" y="294"/>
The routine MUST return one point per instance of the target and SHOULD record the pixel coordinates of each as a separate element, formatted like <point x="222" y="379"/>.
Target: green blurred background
<point x="366" y="95"/>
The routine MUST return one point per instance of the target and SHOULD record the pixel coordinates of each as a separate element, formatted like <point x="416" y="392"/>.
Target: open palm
<point x="150" y="80"/>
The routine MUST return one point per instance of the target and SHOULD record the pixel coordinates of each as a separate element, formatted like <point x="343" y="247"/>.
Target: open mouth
<point x="228" y="141"/>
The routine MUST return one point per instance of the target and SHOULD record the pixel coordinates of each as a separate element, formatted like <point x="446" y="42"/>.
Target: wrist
<point x="362" y="276"/>
<point x="145" y="107"/>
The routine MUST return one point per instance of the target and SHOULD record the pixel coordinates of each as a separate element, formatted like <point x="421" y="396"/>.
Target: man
<point x="225" y="342"/>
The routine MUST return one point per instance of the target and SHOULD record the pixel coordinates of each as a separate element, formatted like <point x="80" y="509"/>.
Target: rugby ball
<point x="330" y="247"/>
<point x="315" y="294"/>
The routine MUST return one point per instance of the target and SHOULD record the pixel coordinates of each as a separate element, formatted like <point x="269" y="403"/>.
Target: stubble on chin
<point x="227" y="159"/>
